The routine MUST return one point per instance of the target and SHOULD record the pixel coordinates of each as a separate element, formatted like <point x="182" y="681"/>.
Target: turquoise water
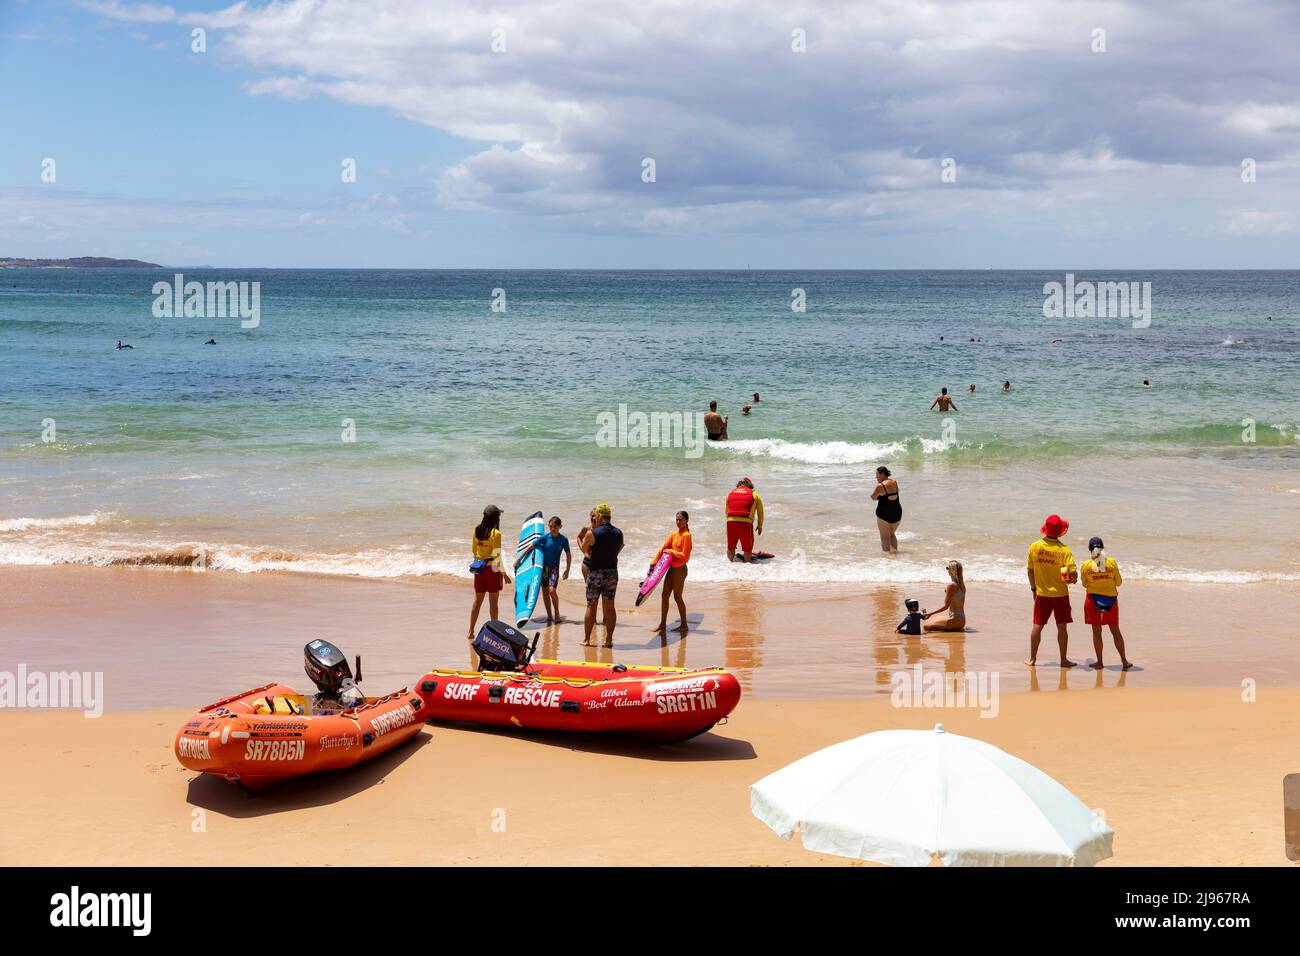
<point x="237" y="449"/>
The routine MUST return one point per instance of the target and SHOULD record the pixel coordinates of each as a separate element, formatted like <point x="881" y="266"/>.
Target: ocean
<point x="366" y="420"/>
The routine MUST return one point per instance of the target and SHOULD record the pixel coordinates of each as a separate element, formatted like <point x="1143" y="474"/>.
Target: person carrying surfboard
<point x="678" y="547"/>
<point x="552" y="545"/>
<point x="744" y="519"/>
<point x="488" y="573"/>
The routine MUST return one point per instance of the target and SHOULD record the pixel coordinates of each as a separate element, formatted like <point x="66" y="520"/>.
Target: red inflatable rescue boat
<point x="270" y="734"/>
<point x="660" y="704"/>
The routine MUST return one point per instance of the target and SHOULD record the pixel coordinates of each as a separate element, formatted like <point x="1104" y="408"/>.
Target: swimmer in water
<point x="756" y="398"/>
<point x="744" y="409"/>
<point x="715" y="425"/>
<point x="944" y="401"/>
<point x="1146" y="383"/>
<point x="972" y="388"/>
<point x="1006" y="385"/>
<point x="121" y="346"/>
<point x="210" y="342"/>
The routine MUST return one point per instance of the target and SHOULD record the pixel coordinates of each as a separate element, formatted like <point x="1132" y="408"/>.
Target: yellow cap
<point x="603" y="510"/>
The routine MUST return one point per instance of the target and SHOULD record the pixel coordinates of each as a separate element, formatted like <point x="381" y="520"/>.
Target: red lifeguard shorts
<point x="740" y="533"/>
<point x="487" y="581"/>
<point x="1095" y="615"/>
<point x="1045" y="607"/>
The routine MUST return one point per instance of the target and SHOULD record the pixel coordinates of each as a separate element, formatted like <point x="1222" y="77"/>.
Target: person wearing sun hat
<point x="1051" y="570"/>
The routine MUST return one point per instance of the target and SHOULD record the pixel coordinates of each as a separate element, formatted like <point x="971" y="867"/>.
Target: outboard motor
<point x="328" y="669"/>
<point x="501" y="647"/>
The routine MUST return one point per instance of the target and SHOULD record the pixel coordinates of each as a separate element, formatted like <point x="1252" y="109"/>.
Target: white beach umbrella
<point x="904" y="796"/>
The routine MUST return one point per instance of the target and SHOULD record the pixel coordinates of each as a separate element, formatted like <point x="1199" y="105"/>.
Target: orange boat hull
<point x="660" y="704"/>
<point x="229" y="739"/>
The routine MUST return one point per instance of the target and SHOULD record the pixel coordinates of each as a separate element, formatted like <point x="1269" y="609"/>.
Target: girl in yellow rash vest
<point x="1101" y="579"/>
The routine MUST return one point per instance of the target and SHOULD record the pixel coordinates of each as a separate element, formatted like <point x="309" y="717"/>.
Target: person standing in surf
<point x="889" y="510"/>
<point x="1051" y="572"/>
<point x="678" y="546"/>
<point x="486" y="545"/>
<point x="1101" y="580"/>
<point x="944" y="401"/>
<point x="602" y="547"/>
<point x="744" y="520"/>
<point x="715" y="426"/>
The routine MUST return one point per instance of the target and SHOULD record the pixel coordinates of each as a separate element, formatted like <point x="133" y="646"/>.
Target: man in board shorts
<point x="602" y="547"/>
<point x="1051" y="571"/>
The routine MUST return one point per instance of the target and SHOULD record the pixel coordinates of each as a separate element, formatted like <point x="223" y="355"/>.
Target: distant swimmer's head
<point x="1146" y="383"/>
<point x="756" y="398"/>
<point x="1055" y="526"/>
<point x="603" y="511"/>
<point x="745" y="409"/>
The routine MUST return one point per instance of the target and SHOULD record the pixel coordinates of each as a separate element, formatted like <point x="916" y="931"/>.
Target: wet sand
<point x="1184" y="776"/>
<point x="179" y="638"/>
<point x="1184" y="768"/>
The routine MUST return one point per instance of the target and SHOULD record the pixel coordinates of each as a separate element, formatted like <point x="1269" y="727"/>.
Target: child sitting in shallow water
<point x="912" y="623"/>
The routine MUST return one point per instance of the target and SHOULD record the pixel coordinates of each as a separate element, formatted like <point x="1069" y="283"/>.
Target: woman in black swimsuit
<point x="889" y="511"/>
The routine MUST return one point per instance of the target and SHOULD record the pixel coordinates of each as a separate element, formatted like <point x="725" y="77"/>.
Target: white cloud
<point x="743" y="130"/>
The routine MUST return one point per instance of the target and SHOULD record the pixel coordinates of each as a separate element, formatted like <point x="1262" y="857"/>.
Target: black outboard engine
<point x="502" y="648"/>
<point x="328" y="668"/>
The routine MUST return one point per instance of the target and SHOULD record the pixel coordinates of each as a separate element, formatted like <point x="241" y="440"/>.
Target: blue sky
<point x="1066" y="156"/>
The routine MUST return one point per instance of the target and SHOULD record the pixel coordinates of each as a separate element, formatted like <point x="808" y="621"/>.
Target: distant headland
<point x="81" y="262"/>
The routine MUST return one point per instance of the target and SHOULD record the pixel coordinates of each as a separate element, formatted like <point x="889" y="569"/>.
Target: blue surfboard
<point x="528" y="576"/>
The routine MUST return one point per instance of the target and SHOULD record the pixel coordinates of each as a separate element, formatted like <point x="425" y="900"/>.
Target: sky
<point x="1037" y="134"/>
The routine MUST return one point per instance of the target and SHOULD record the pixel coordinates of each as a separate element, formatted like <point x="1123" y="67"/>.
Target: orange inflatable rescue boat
<point x="270" y="734"/>
<point x="659" y="704"/>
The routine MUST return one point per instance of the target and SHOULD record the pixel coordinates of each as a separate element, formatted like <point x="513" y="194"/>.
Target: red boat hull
<point x="660" y="704"/>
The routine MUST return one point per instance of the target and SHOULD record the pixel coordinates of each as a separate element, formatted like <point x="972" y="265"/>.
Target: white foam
<point x="794" y="567"/>
<point x="37" y="524"/>
<point x="830" y="452"/>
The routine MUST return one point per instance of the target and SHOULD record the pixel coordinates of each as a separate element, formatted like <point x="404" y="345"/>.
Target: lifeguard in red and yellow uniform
<point x="744" y="519"/>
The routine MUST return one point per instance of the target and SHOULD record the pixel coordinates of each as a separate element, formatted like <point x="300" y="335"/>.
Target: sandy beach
<point x="1186" y="777"/>
<point x="1184" y="767"/>
<point x="195" y="637"/>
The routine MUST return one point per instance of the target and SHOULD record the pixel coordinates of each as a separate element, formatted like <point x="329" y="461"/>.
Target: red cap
<point x="1055" y="526"/>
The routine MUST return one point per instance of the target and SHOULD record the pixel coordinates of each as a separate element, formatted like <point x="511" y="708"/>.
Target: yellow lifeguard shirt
<point x="489" y="550"/>
<point x="1105" y="582"/>
<point x="1047" y="556"/>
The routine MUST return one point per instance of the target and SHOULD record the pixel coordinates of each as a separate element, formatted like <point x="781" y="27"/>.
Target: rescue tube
<point x="270" y="734"/>
<point x="659" y="704"/>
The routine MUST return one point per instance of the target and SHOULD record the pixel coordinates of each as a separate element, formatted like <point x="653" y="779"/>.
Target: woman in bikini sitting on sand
<point x="954" y="602"/>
